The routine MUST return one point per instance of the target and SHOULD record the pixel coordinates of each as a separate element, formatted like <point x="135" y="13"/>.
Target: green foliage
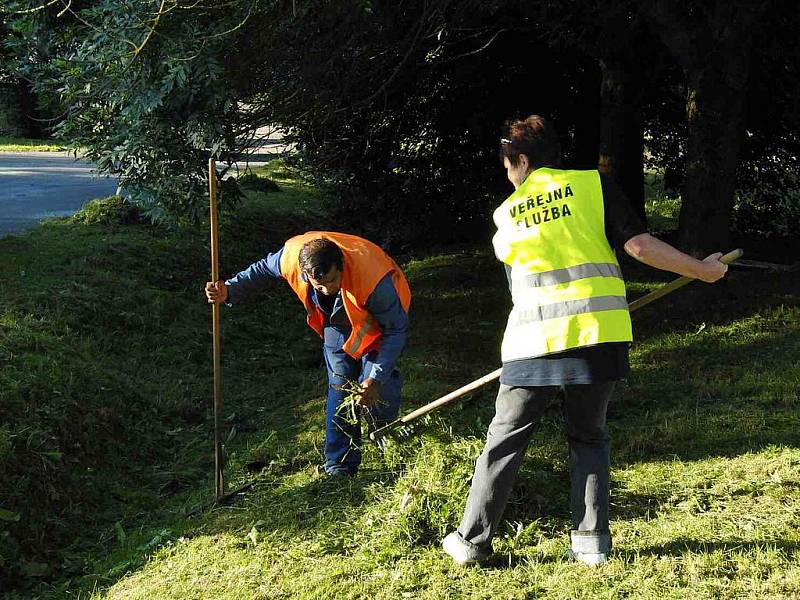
<point x="5" y="442"/>
<point x="769" y="205"/>
<point x="767" y="202"/>
<point x="398" y="124"/>
<point x="10" y="116"/>
<point x="396" y="118"/>
<point x="397" y="105"/>
<point x="147" y="94"/>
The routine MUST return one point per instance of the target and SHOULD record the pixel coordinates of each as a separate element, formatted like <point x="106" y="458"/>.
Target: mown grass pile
<point x="105" y="353"/>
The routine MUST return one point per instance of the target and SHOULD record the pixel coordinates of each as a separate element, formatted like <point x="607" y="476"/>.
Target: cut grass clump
<point x="114" y="210"/>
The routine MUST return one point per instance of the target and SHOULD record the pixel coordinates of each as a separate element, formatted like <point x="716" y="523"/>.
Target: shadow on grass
<point x="739" y="295"/>
<point x="709" y="398"/>
<point x="702" y="384"/>
<point x="628" y="506"/>
<point x="682" y="546"/>
<point x="291" y="508"/>
<point x="665" y="422"/>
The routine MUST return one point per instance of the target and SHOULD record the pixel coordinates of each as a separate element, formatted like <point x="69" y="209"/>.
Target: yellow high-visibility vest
<point x="566" y="283"/>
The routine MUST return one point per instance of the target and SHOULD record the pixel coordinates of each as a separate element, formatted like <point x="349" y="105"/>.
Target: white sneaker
<point x="462" y="551"/>
<point x="589" y="547"/>
<point x="593" y="559"/>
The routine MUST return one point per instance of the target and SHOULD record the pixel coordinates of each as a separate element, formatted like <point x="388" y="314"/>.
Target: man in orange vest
<point x="357" y="300"/>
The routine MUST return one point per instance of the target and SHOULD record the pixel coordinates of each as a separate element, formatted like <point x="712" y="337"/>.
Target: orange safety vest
<point x="365" y="264"/>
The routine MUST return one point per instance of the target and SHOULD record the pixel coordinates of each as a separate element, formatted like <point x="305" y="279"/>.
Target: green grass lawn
<point x="106" y="433"/>
<point x="18" y="144"/>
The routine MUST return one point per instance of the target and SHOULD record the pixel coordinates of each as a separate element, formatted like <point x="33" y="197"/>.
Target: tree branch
<point x="399" y="66"/>
<point x="29" y="11"/>
<point x="150" y="33"/>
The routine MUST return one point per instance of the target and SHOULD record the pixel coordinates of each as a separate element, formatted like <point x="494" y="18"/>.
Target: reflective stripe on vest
<point x="540" y="338"/>
<point x="574" y="273"/>
<point x="567" y="286"/>
<point x="353" y="346"/>
<point x="566" y="309"/>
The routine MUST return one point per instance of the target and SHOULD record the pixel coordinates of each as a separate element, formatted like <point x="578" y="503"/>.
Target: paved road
<point x="37" y="185"/>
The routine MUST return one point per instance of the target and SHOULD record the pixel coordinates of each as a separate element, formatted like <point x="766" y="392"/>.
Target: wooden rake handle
<point x="219" y="464"/>
<point x="489" y="377"/>
<point x="728" y="258"/>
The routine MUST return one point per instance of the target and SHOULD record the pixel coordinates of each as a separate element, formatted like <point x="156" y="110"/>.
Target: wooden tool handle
<point x="464" y="390"/>
<point x="731" y="256"/>
<point x="455" y="394"/>
<point x="728" y="258"/>
<point x="219" y="469"/>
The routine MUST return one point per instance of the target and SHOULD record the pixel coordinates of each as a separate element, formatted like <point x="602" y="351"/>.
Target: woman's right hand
<point x="216" y="292"/>
<point x="713" y="268"/>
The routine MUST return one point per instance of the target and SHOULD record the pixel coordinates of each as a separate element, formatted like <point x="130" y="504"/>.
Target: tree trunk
<point x="587" y="119"/>
<point x="715" y="109"/>
<point x="621" y="131"/>
<point x="713" y="46"/>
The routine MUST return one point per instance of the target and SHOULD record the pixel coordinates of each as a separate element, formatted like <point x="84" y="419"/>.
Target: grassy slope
<point x="18" y="144"/>
<point x="706" y="488"/>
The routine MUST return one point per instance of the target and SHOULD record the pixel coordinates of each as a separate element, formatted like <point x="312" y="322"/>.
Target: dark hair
<point x="318" y="256"/>
<point x="535" y="137"/>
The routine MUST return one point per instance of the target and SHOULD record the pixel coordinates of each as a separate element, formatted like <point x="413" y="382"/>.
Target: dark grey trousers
<point x="518" y="411"/>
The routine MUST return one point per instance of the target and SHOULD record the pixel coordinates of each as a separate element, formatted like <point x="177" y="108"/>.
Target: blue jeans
<point x="342" y="440"/>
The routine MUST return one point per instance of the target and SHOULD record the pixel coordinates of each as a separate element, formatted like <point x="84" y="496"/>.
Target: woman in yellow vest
<point x="569" y="329"/>
<point x="357" y="300"/>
